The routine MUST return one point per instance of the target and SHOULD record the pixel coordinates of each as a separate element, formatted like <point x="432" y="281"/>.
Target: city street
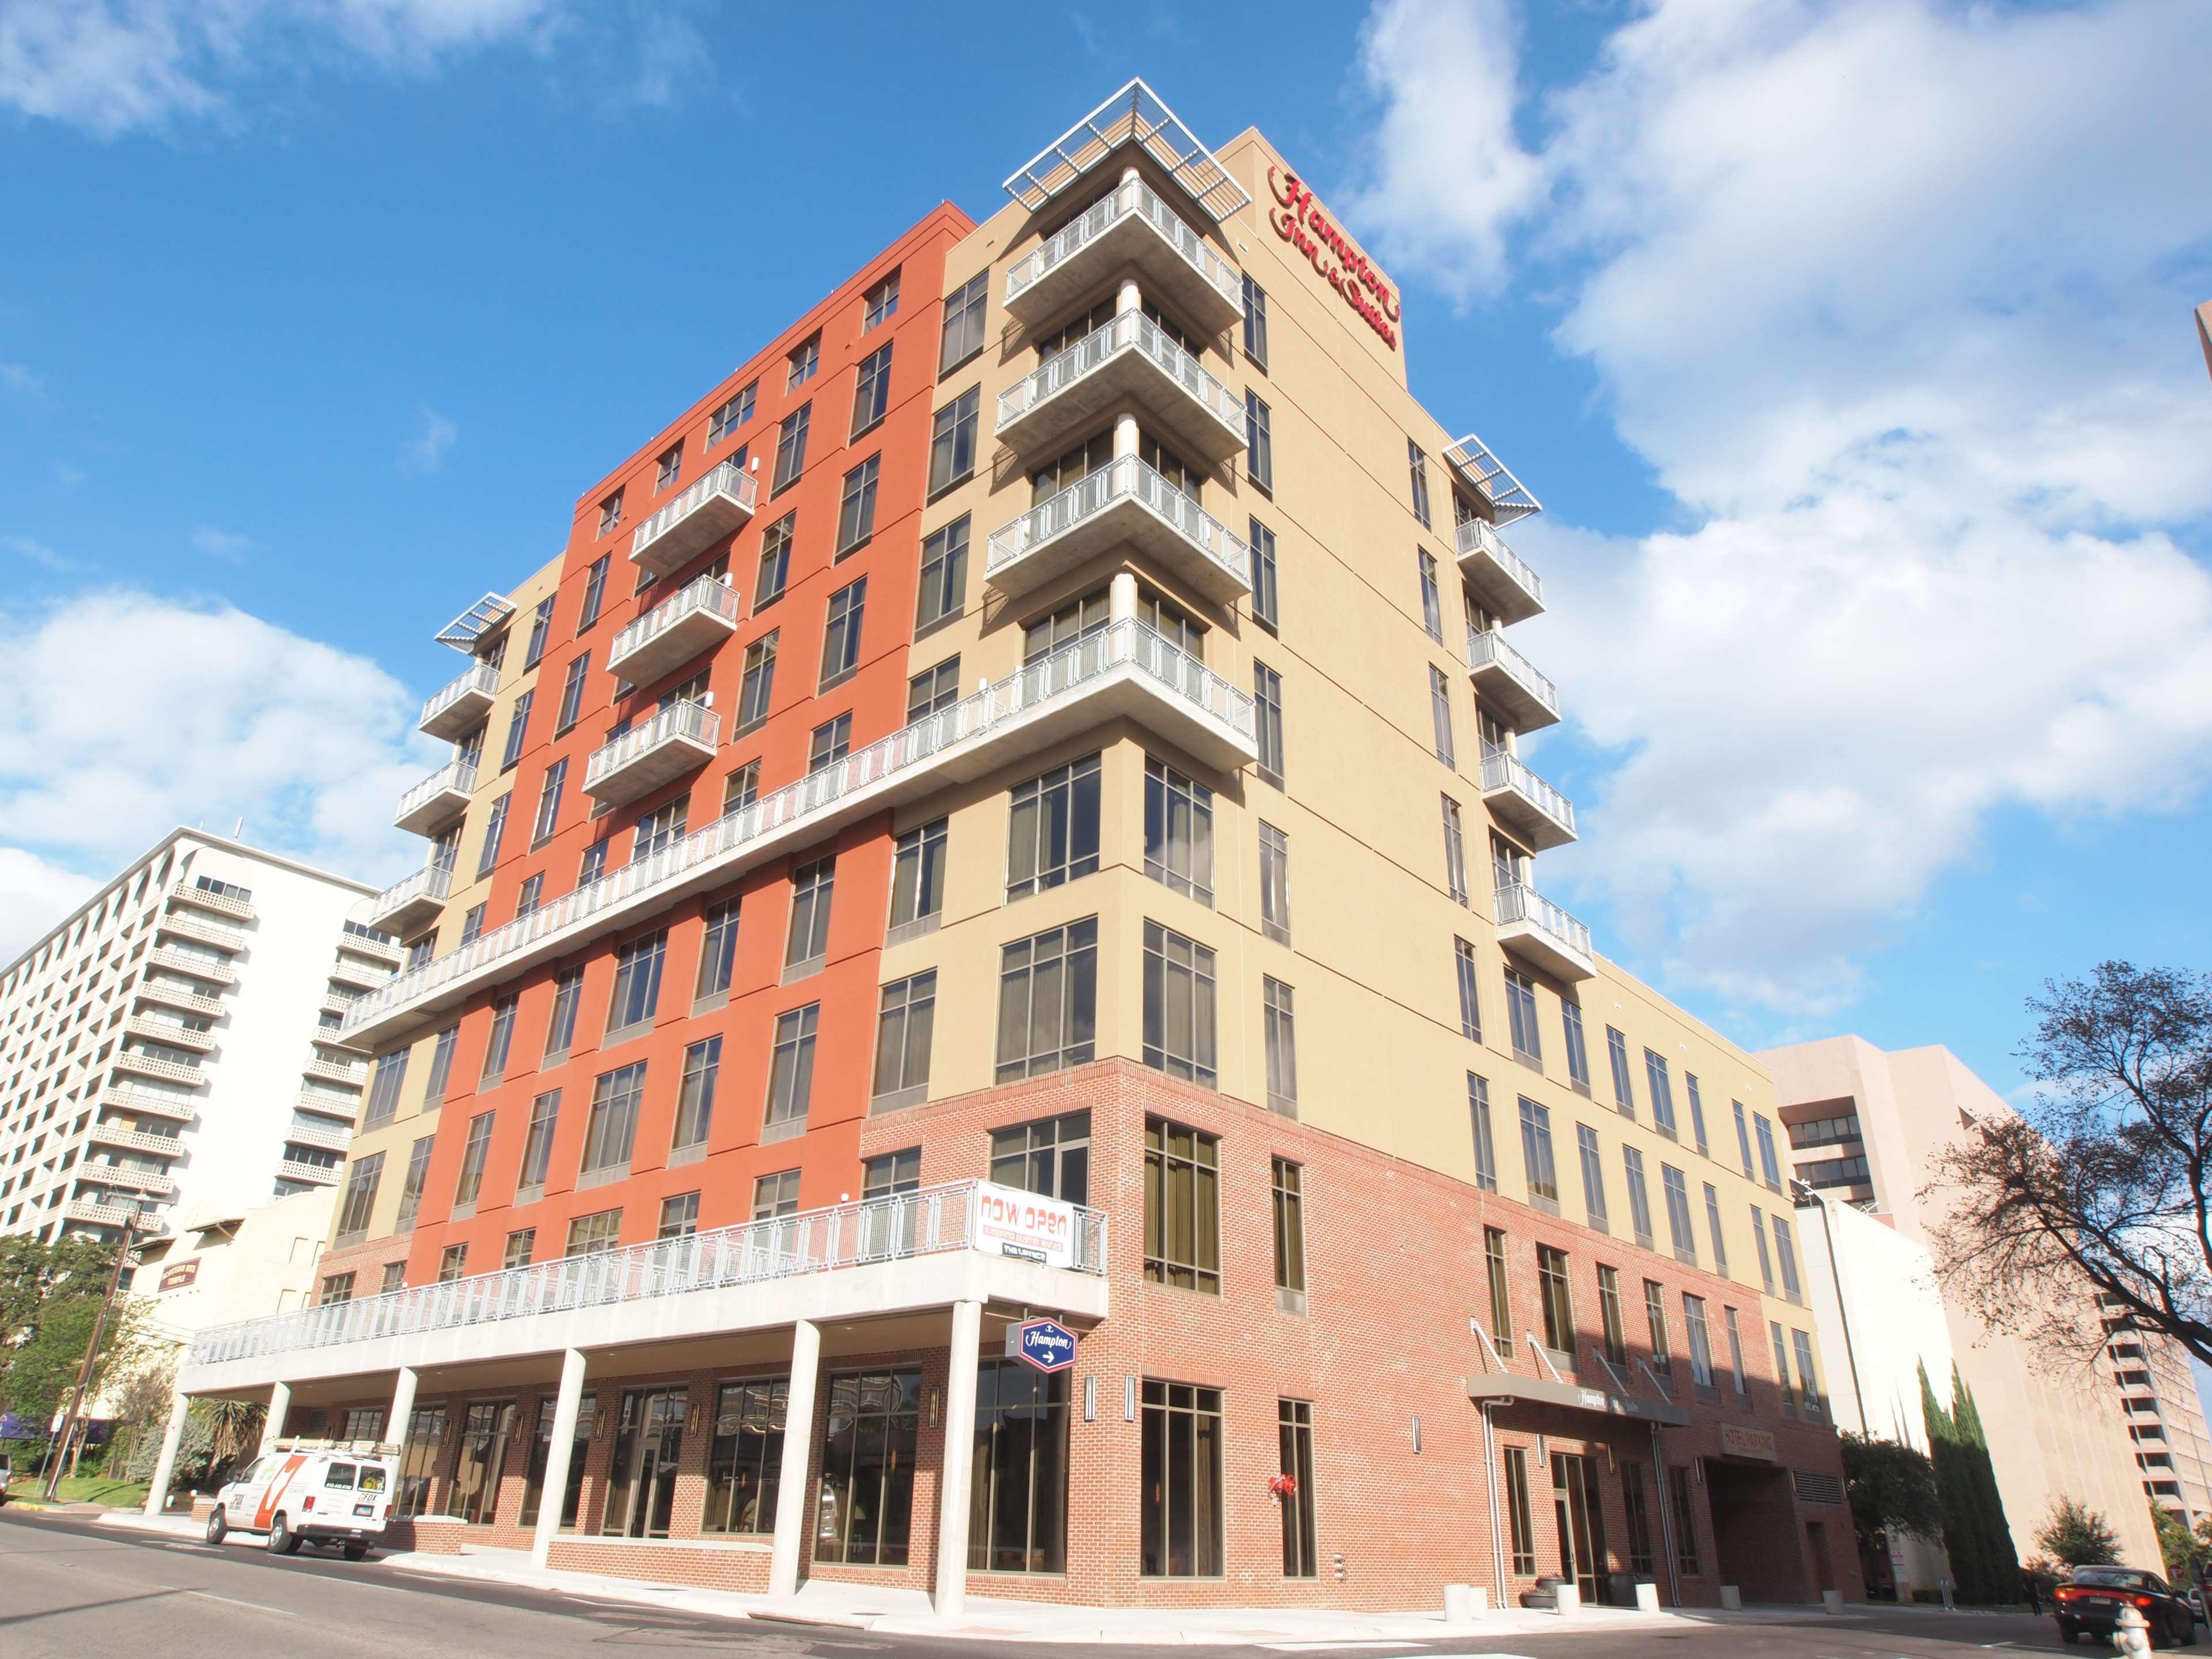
<point x="70" y="1587"/>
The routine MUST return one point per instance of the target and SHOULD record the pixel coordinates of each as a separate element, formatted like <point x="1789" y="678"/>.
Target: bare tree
<point x="2107" y="1177"/>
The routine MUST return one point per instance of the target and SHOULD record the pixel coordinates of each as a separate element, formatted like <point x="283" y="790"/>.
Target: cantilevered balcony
<point x="716" y="505"/>
<point x="378" y="947"/>
<point x="113" y="1215"/>
<point x="332" y="1138"/>
<point x="1510" y="683"/>
<point x="183" y="962"/>
<point x="1539" y="931"/>
<point x="1130" y="227"/>
<point x="347" y="971"/>
<point x="1128" y="358"/>
<point x="120" y="1096"/>
<point x="438" y="799"/>
<point x="314" y="1175"/>
<point x="670" y="634"/>
<point x="676" y="740"/>
<point x="170" y="994"/>
<point x="1125" y="669"/>
<point x="136" y="1140"/>
<point x="344" y="1108"/>
<point x="190" y="924"/>
<point x="1538" y="814"/>
<point x="224" y="901"/>
<point x="455" y="710"/>
<point x="169" y="1032"/>
<point x="1501" y="577"/>
<point x="1126" y="501"/>
<point x="169" y="1071"/>
<point x="336" y="1071"/>
<point x="407" y="905"/>
<point x="150" y="1181"/>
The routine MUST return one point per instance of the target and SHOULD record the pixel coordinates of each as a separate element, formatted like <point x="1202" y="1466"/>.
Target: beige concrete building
<point x="1867" y="1127"/>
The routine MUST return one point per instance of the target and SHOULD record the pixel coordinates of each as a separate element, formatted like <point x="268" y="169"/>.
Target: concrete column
<point x="1128" y="298"/>
<point x="958" y="1472"/>
<point x="403" y="1408"/>
<point x="1124" y="437"/>
<point x="157" y="1495"/>
<point x="272" y="1424"/>
<point x="555" y="1486"/>
<point x="798" y="1459"/>
<point x="1122" y="596"/>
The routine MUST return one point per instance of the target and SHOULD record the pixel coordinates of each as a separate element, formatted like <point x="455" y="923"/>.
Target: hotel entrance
<point x="1581" y="1523"/>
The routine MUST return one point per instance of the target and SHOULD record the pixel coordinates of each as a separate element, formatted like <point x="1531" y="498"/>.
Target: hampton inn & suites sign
<point x="1298" y="220"/>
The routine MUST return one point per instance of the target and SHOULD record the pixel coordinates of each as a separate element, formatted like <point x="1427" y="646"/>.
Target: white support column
<point x="157" y="1495"/>
<point x="1122" y="596"/>
<point x="798" y="1459"/>
<point x="403" y="1408"/>
<point x="272" y="1424"/>
<point x="1124" y="437"/>
<point x="954" y="1479"/>
<point x="1128" y="298"/>
<point x="552" y="1491"/>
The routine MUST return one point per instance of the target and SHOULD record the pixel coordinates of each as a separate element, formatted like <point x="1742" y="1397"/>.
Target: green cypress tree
<point x="1999" y="1563"/>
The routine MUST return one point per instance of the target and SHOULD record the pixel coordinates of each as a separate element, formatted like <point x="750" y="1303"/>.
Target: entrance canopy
<point x="1569" y="1396"/>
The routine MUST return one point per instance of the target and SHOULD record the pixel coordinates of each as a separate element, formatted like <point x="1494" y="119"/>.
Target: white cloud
<point x="34" y="895"/>
<point x="21" y="377"/>
<point x="426" y="451"/>
<point x="114" y="66"/>
<point x="229" y="545"/>
<point x="37" y="552"/>
<point x="122" y="715"/>
<point x="670" y="51"/>
<point x="1893" y="298"/>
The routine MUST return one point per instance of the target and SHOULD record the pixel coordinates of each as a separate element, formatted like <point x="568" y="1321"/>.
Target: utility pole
<point x="60" y="1450"/>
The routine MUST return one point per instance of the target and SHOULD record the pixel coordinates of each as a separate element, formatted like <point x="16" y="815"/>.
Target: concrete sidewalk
<point x="908" y="1612"/>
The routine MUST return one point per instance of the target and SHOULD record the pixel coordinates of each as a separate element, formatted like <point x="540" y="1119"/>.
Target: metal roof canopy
<point x="1600" y="1402"/>
<point x="1133" y="115"/>
<point x="472" y="624"/>
<point x="1472" y="459"/>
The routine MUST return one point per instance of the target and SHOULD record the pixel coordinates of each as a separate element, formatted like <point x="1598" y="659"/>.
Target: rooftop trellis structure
<point x="463" y="632"/>
<point x="1135" y="115"/>
<point x="1509" y="498"/>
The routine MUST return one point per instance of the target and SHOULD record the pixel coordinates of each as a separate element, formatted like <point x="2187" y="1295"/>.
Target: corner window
<point x="1179" y="1005"/>
<point x="1053" y="828"/>
<point x="1182" y="1207"/>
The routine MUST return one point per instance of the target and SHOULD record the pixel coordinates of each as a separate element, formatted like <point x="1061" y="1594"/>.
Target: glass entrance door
<point x="1581" y="1524"/>
<point x="649" y="1445"/>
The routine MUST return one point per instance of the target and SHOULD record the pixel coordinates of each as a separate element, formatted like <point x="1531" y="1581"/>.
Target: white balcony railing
<point x="1128" y="333"/>
<point x="1477" y="539"/>
<point x="1132" y="199"/>
<point x="114" y="1215"/>
<point x="726" y="485"/>
<point x="1488" y="649"/>
<point x="137" y="1140"/>
<point x="210" y="898"/>
<point x="329" y="1138"/>
<point x="1501" y="771"/>
<point x="150" y="1181"/>
<point x="169" y="1071"/>
<point x="689" y="726"/>
<point x="318" y="1174"/>
<point x="429" y="885"/>
<point x="184" y="962"/>
<point x="925" y="1223"/>
<point x="1520" y="903"/>
<point x="787" y="815"/>
<point x="186" y="924"/>
<point x="170" y="995"/>
<point x="457" y="778"/>
<point x="481" y="680"/>
<point x="170" y="1031"/>
<point x="121" y="1097"/>
<point x="344" y="1107"/>
<point x="336" y="1070"/>
<point x="710" y="596"/>
<point x="1126" y="479"/>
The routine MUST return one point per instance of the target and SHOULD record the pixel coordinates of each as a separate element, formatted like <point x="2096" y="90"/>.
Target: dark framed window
<point x="933" y="690"/>
<point x="775" y="1196"/>
<point x="1267" y="722"/>
<point x="519" y="1245"/>
<point x="1470" y="1006"/>
<point x="741" y="788"/>
<point x="1265" y="599"/>
<point x="962" y="336"/>
<point x="589" y="1234"/>
<point x="541" y="624"/>
<point x="572" y="692"/>
<point x="1018" y="1502"/>
<point x="1260" y="442"/>
<point x="593" y="864"/>
<point x="1655" y="1321"/>
<point x="906" y="1021"/>
<point x="1612" y="1334"/>
<point x="1556" y="1294"/>
<point x="944" y="591"/>
<point x="1485" y="1145"/>
<point x="791" y="1070"/>
<point x="803" y="364"/>
<point x="1433" y="603"/>
<point x="1048" y="1001"/>
<point x="417" y="1177"/>
<point x="610" y="1132"/>
<point x="952" y="434"/>
<point x="813" y="885"/>
<point x="1279" y="1028"/>
<point x="732" y="414"/>
<point x="890" y="1174"/>
<point x="1500" y="1286"/>
<point x="869" y="1440"/>
<point x="918" y="875"/>
<point x="548" y="802"/>
<point x="1183" y="1206"/>
<point x="595" y="592"/>
<point x="1287" y="1194"/>
<point x="636" y="994"/>
<point x="442" y="1066"/>
<point x="1520" y="1523"/>
<point x="1594" y="1205"/>
<point x="872" y="390"/>
<point x="1178" y="831"/>
<point x="1785" y="1257"/>
<point x="1076" y="620"/>
<point x="533" y="1485"/>
<point x="1181" y="1510"/>
<point x="1578" y="1073"/>
<point x="791" y="447"/>
<point x="1701" y="1342"/>
<point x="560" y="1027"/>
<point x="1521" y="1017"/>
<point x="531" y="894"/>
<point x="744" y="1461"/>
<point x="856" y="509"/>
<point x="759" y="684"/>
<point x="1684" y="1237"/>
<point x="880" y="303"/>
<point x="1624" y="1086"/>
<point x="360" y="1200"/>
<point x="1295" y="1463"/>
<point x="1662" y="1092"/>
<point x="774" y="573"/>
<point x="1417" y="464"/>
<point x="831" y="742"/>
<point x="1455" y="852"/>
<point x="1536" y="1156"/>
<point x="1052" y="834"/>
<point x="1685" y="1521"/>
<point x="610" y="511"/>
<point x="501" y="1040"/>
<point x="695" y="1095"/>
<point x="384" y="1088"/>
<point x="1769" y="1169"/>
<point x="840" y="633"/>
<point x="1639" y="1195"/>
<point x="1049" y="1156"/>
<point x="1179" y="1005"/>
<point x="1713" y="1230"/>
<point x="1256" y="323"/>
<point x="518" y="729"/>
<point x="1275" y="883"/>
<point x="537" y="1142"/>
<point x="1765" y="1260"/>
<point x="679" y="1216"/>
<point x="1637" y="1504"/>
<point x="669" y="467"/>
<point x="718" y="949"/>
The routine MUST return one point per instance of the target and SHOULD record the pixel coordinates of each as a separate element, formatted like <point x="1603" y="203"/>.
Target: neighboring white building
<point x="220" y="1268"/>
<point x="171" y="1048"/>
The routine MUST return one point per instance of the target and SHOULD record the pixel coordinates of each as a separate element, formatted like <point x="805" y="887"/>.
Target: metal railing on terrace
<point x="1522" y="902"/>
<point x="1485" y="649"/>
<point x="225" y="900"/>
<point x="1475" y="535"/>
<point x="1132" y="197"/>
<point x="481" y="679"/>
<point x="456" y="777"/>
<point x="925" y="1223"/>
<point x="725" y="478"/>
<point x="712" y="594"/>
<point x="1127" y="330"/>
<point x="1066" y="672"/>
<point x="1501" y="771"/>
<point x="432" y="882"/>
<point x="679" y="720"/>
<point x="1122" y="479"/>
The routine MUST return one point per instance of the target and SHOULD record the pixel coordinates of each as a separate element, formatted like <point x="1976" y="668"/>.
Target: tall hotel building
<point x="1012" y="806"/>
<point x="170" y="1054"/>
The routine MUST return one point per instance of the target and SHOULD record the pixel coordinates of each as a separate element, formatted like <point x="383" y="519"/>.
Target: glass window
<point x="360" y="1200"/>
<point x="840" y="633"/>
<point x="1571" y="1016"/>
<point x="1280" y="1028"/>
<point x="1266" y="599"/>
<point x="1048" y="1001"/>
<point x="1624" y="1092"/>
<point x="1255" y="342"/>
<point x="610" y="511"/>
<point x="1076" y="620"/>
<point x="1713" y="1230"/>
<point x="775" y="572"/>
<point x="1701" y="1346"/>
<point x="1521" y="1016"/>
<point x="530" y="895"/>
<point x="517" y="727"/>
<point x="1679" y="1229"/>
<point x="1769" y="1169"/>
<point x="1519" y="1520"/>
<point x="1440" y="715"/>
<point x="1662" y="1092"/>
<point x="944" y="590"/>
<point x="648" y="1452"/>
<point x="745" y="1462"/>
<point x="1182" y="1207"/>
<point x="1610" y="1330"/>
<point x="804" y="361"/>
<point x="1697" y="1110"/>
<point x="831" y="742"/>
<point x="905" y="1023"/>
<point x="918" y="873"/>
<point x="1486" y="1149"/>
<point x="1501" y="1290"/>
<point x="1557" y="1296"/>
<point x="537" y="1142"/>
<point x="494" y="827"/>
<point x="593" y="864"/>
<point x="775" y="1196"/>
<point x="695" y="1098"/>
<point x="611" y="1129"/>
<point x="1637" y="1503"/>
<point x="1289" y="1200"/>
<point x="1685" y="1521"/>
<point x="791" y="446"/>
<point x="442" y="1066"/>
<point x="718" y="948"/>
<point x="1536" y="1156"/>
<point x="1432" y="600"/>
<point x="548" y="802"/>
<point x="1053" y="828"/>
<point x="1178" y="831"/>
<point x="791" y="1075"/>
<point x="1586" y="1148"/>
<point x="1735" y="1355"/>
<point x="1267" y="717"/>
<point x="732" y="414"/>
<point x="1275" y="883"/>
<point x="1182" y="1511"/>
<point x="418" y="1173"/>
<point x="963" y="334"/>
<point x="1179" y="1005"/>
<point x="637" y="981"/>
<point x="473" y="1153"/>
<point x="952" y="434"/>
<point x="1785" y="1255"/>
<point x="1050" y="1156"/>
<point x="1809" y="1385"/>
<point x="1260" y="442"/>
<point x="595" y="592"/>
<point x="679" y="1216"/>
<point x="813" y="886"/>
<point x="1295" y="1463"/>
<point x="666" y="470"/>
<point x="1417" y="464"/>
<point x="891" y="1173"/>
<point x="933" y="690"/>
<point x="384" y="1086"/>
<point x="561" y="1028"/>
<point x="1639" y="1195"/>
<point x="1018" y="1513"/>
<point x="864" y="1514"/>
<point x="541" y="1446"/>
<point x="872" y="390"/>
<point x="1758" y="1238"/>
<point x="1655" y="1321"/>
<point x="572" y="691"/>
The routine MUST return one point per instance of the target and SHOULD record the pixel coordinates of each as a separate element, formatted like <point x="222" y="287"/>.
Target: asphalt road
<point x="72" y="1588"/>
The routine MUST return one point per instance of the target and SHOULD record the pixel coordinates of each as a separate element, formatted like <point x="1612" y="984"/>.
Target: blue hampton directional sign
<point x="1044" y="1343"/>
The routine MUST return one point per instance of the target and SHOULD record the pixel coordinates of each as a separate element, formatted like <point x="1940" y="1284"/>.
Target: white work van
<point x="328" y="1493"/>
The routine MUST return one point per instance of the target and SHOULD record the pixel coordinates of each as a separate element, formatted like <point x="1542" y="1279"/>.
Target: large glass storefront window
<point x="1181" y="1532"/>
<point x="746" y="1460"/>
<point x="486" y="1430"/>
<point x="866" y="1511"/>
<point x="1018" y="1514"/>
<point x="418" y="1460"/>
<point x="540" y="1446"/>
<point x="648" y="1445"/>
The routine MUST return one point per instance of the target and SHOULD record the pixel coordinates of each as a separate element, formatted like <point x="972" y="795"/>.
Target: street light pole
<point x="91" y="1353"/>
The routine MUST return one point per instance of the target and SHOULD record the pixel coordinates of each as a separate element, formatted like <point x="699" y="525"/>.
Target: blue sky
<point x="1849" y="348"/>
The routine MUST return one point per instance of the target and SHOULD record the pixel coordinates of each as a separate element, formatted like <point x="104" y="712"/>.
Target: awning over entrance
<point x="1602" y="1402"/>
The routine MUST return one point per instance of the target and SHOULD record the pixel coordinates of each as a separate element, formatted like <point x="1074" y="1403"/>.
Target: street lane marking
<point x="209" y="1595"/>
